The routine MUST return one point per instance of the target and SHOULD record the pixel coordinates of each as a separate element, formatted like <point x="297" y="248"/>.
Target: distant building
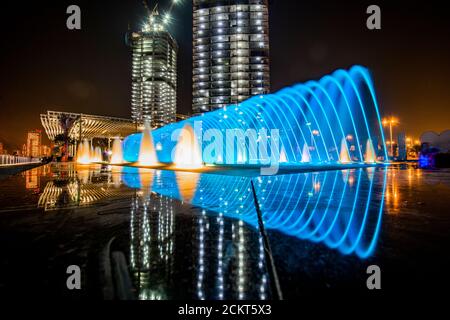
<point x="401" y="146"/>
<point x="34" y="143"/>
<point x="24" y="150"/>
<point x="1" y="148"/>
<point x="45" y="151"/>
<point x="230" y="52"/>
<point x="154" y="73"/>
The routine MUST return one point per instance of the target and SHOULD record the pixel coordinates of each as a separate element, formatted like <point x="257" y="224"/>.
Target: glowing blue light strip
<point x="365" y="74"/>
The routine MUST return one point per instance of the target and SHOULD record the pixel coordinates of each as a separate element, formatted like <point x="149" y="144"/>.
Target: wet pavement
<point x="181" y="235"/>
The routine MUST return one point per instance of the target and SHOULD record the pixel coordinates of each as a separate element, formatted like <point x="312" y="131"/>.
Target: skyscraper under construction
<point x="154" y="73"/>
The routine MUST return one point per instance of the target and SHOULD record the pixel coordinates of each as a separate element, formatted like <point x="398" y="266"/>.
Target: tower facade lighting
<point x="230" y="43"/>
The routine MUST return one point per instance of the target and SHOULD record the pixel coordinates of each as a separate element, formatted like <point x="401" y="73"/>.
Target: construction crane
<point x="151" y="13"/>
<point x="154" y="12"/>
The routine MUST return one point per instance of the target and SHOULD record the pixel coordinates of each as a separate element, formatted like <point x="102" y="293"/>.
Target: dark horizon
<point x="47" y="67"/>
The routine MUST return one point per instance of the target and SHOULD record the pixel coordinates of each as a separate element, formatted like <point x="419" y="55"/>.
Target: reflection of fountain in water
<point x="147" y="153"/>
<point x="370" y="173"/>
<point x="187" y="185"/>
<point x="344" y="156"/>
<point x="187" y="153"/>
<point x="117" y="152"/>
<point x="116" y="176"/>
<point x="281" y="199"/>
<point x="146" y="179"/>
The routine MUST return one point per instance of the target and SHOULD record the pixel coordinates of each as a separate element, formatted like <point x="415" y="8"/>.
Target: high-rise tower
<point x="154" y="73"/>
<point x="34" y="143"/>
<point x="230" y="52"/>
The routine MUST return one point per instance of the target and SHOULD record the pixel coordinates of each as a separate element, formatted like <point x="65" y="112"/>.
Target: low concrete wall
<point x="9" y="170"/>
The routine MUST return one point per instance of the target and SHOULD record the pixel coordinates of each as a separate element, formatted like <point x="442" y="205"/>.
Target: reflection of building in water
<point x="236" y="270"/>
<point x="32" y="179"/>
<point x="236" y="266"/>
<point x="394" y="181"/>
<point x="227" y="255"/>
<point x="75" y="187"/>
<point x="152" y="244"/>
<point x="392" y="194"/>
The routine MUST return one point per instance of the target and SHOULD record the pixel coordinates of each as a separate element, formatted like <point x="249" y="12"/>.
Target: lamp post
<point x="391" y="122"/>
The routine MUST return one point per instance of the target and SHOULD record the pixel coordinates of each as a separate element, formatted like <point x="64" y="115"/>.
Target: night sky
<point x="45" y="66"/>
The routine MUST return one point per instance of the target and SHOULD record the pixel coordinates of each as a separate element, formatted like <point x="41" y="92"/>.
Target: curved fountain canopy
<point x="332" y="120"/>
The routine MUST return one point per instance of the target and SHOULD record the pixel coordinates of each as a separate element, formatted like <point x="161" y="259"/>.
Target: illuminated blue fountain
<point x="331" y="121"/>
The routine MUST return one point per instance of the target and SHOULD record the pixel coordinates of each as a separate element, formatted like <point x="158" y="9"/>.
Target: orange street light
<point x="391" y="121"/>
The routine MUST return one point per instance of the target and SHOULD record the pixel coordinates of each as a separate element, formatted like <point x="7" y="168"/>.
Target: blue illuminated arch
<point x="342" y="107"/>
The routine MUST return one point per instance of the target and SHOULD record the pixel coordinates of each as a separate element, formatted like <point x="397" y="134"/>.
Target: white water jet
<point x="283" y="157"/>
<point x="306" y="156"/>
<point x="344" y="156"/>
<point x="147" y="152"/>
<point x="242" y="156"/>
<point x="97" y="157"/>
<point x="369" y="155"/>
<point x="187" y="153"/>
<point x="117" y="152"/>
<point x="84" y="152"/>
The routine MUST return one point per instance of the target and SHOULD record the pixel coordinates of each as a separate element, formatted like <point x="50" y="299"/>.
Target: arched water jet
<point x="147" y="153"/>
<point x="337" y="107"/>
